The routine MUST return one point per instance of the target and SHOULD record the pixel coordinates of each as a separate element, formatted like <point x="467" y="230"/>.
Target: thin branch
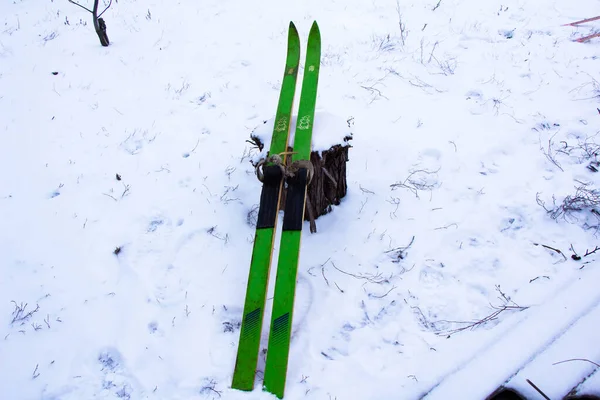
<point x="471" y="325"/>
<point x="447" y="226"/>
<point x="35" y="372"/>
<point x="323" y="273"/>
<point x="538" y="277"/>
<point x="401" y="25"/>
<point x="77" y="4"/>
<point x="508" y="305"/>
<point x="552" y="248"/>
<point x="577" y="359"/>
<point x="378" y="279"/>
<point x="114" y="198"/>
<point x="538" y="389"/>
<point x="20" y="315"/>
<point x="382" y="296"/>
<point x="107" y="7"/>
<point x="418" y="182"/>
<point x="400" y="252"/>
<point x="362" y="189"/>
<point x="374" y="90"/>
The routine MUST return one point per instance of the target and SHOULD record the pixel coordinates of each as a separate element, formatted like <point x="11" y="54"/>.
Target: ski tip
<point x="314" y="34"/>
<point x="314" y="28"/>
<point x="293" y="32"/>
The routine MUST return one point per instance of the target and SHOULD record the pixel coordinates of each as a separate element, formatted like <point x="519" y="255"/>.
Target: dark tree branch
<point x="99" y="24"/>
<point x="551" y="248"/>
<point x="538" y="389"/>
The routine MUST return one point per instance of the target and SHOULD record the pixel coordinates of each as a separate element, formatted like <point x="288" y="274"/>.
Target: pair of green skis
<point x="287" y="267"/>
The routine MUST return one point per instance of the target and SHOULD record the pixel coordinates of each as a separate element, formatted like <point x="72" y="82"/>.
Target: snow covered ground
<point x="467" y="115"/>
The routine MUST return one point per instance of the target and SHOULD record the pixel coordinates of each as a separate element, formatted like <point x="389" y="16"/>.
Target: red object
<point x="583" y="21"/>
<point x="586" y="38"/>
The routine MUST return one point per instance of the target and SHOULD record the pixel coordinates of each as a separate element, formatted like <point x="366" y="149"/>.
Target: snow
<point x="462" y="121"/>
<point x="561" y="326"/>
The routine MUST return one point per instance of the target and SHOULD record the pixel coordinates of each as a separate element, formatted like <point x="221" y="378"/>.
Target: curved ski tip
<point x="314" y="27"/>
<point x="293" y="37"/>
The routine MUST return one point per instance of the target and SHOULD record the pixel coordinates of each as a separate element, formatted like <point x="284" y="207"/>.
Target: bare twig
<point x="362" y="205"/>
<point x="383" y="295"/>
<point x="374" y="90"/>
<point x="323" y="272"/>
<point x="210" y="388"/>
<point x="418" y="82"/>
<point x="19" y="313"/>
<point x="431" y="54"/>
<point x="577" y="359"/>
<point x="447" y="66"/>
<point x="112" y="197"/>
<point x="587" y="252"/>
<point x="229" y="189"/>
<point x="395" y="201"/>
<point x="77" y="4"/>
<point x="399" y="253"/>
<point x="401" y="24"/>
<point x="471" y="325"/>
<point x="538" y="277"/>
<point x="125" y="190"/>
<point x="367" y="191"/>
<point x="538" y="389"/>
<point x="507" y="305"/>
<point x="422" y="318"/>
<point x="108" y="6"/>
<point x="550" y="153"/>
<point x="447" y="226"/>
<point x="417" y="180"/>
<point x="553" y="249"/>
<point x="377" y="278"/>
<point x="584" y="198"/>
<point x="213" y="232"/>
<point x="252" y="216"/>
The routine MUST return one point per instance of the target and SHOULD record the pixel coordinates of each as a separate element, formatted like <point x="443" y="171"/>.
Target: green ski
<point x="289" y="253"/>
<point x="272" y="177"/>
